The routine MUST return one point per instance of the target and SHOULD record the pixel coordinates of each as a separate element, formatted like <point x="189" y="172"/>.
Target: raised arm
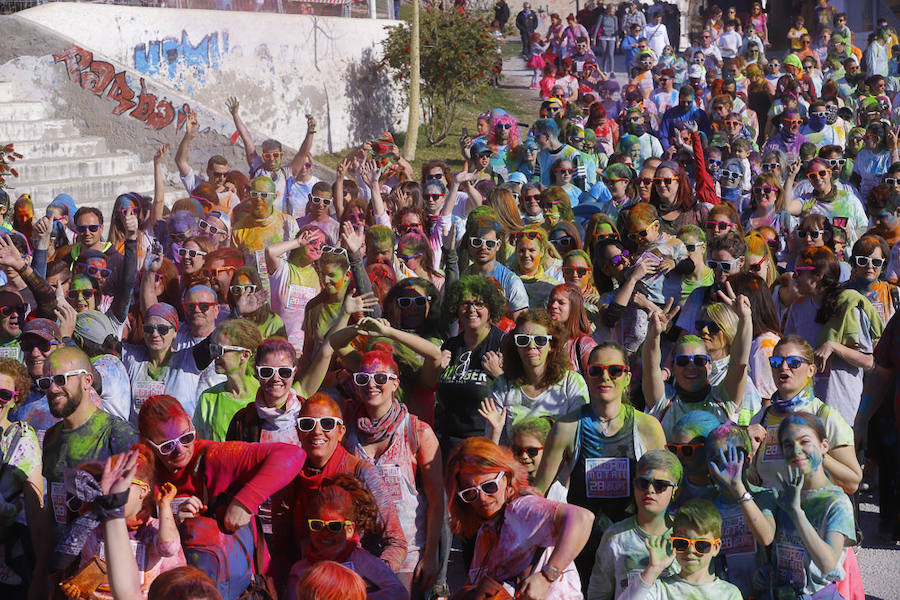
<point x="128" y="273"/>
<point x="791" y="204"/>
<point x="652" y="380"/>
<point x="371" y="176"/>
<point x="431" y="367"/>
<point x="43" y="227"/>
<point x="305" y="146"/>
<point x="246" y="138"/>
<point x="191" y="127"/>
<point x="148" y="281"/>
<point x="159" y="188"/>
<point x="727" y="469"/>
<point x="275" y="251"/>
<point x="123" y="574"/>
<point x="739" y="363"/>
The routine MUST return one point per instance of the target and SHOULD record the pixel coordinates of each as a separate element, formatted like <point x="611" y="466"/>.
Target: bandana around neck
<point x="795" y="403"/>
<point x="372" y="432"/>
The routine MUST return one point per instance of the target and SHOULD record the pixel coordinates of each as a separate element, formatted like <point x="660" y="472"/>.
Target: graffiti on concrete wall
<point x="164" y="57"/>
<point x="98" y="76"/>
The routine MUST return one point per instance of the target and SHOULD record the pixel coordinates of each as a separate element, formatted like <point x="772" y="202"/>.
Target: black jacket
<point x="526" y="23"/>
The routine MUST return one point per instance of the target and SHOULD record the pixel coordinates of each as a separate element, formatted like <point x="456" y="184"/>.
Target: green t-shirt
<point x="217" y="407"/>
<point x="688" y="285"/>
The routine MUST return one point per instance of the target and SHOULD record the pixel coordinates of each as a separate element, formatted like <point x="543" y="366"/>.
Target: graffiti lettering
<point x="163" y="57"/>
<point x="98" y="76"/>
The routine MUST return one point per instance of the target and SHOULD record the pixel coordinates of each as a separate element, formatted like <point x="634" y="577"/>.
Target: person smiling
<point x="533" y="251"/>
<point x="612" y="435"/>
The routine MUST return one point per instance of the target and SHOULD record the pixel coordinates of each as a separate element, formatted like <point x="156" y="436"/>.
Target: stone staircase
<point x="57" y="158"/>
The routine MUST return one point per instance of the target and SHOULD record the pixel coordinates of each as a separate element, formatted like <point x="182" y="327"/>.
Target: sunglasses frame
<point x="532" y="340"/>
<point x="479" y="489"/>
<point x="318" y="421"/>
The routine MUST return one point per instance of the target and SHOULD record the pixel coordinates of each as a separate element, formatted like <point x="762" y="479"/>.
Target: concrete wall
<point x="279" y="66"/>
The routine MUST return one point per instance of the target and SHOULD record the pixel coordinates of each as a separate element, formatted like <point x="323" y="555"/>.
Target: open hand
<point x="9" y="254"/>
<point x="791" y="488"/>
<point x="373" y="326"/>
<point x="491" y="414"/>
<point x="351" y="239"/>
<point x="166" y="493"/>
<point x="360" y="304"/>
<point x="727" y="469"/>
<point x="661" y="553"/>
<point x="233" y="105"/>
<point x="161" y="151"/>
<point x="118" y="471"/>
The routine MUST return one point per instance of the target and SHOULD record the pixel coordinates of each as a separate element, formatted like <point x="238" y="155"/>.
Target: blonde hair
<point x="506" y="210"/>
<point x="723" y="316"/>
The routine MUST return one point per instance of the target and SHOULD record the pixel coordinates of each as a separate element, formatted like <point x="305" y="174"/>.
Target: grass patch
<point x="448" y="149"/>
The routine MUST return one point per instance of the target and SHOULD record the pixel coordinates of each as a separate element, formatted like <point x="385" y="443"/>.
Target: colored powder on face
<point x="697" y="423"/>
<point x="382" y="236"/>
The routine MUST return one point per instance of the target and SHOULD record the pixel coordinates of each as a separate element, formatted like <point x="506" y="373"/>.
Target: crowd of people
<point x="644" y="347"/>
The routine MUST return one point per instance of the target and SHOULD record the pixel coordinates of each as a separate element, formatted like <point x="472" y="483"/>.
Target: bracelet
<point x="111" y="506"/>
<point x="747" y="497"/>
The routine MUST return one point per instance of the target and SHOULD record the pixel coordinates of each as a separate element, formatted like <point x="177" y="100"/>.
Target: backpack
<point x="232" y="560"/>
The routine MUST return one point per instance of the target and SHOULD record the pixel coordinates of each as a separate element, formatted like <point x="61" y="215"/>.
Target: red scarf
<point x="311" y="480"/>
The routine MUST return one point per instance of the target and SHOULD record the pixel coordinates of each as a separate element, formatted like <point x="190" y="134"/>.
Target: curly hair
<point x="479" y="456"/>
<point x="478" y="287"/>
<point x="557" y="363"/>
<point x="16" y="371"/>
<point x="493" y="135"/>
<point x="347" y="495"/>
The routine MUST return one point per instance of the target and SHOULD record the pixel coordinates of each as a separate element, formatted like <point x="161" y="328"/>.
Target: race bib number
<point x="736" y="535"/>
<point x="10" y="352"/>
<point x="790" y="563"/>
<point x="144" y="389"/>
<point x="299" y="296"/>
<point x="262" y="269"/>
<point x="772" y="451"/>
<point x="393" y="481"/>
<point x="58" y="498"/>
<point x="607" y="477"/>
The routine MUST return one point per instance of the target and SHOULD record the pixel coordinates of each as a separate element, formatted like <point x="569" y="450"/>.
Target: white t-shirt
<point x="557" y="400"/>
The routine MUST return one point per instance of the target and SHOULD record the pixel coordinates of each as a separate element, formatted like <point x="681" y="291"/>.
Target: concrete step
<point x="74" y="147"/>
<point x="7" y="92"/>
<point x="51" y="169"/>
<point x="23" y="111"/>
<point x="87" y="191"/>
<point x="44" y="129"/>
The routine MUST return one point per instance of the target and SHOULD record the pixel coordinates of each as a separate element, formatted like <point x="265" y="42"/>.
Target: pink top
<point x="153" y="556"/>
<point x="528" y="523"/>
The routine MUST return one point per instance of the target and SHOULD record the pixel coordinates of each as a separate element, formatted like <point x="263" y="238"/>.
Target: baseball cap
<point x="43" y="328"/>
<point x="94" y="326"/>
<point x="479" y="148"/>
<point x="226" y="220"/>
<point x="517" y="177"/>
<point x="695" y="72"/>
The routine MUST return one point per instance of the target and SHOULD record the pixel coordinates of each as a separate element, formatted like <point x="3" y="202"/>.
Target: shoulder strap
<point x="200" y="470"/>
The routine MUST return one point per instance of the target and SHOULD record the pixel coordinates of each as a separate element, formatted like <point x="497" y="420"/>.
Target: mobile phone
<point x="465" y="132"/>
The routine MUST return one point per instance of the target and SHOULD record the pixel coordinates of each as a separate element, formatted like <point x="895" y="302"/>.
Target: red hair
<point x="322" y="399"/>
<point x="159" y="409"/>
<point x="479" y="456"/>
<point x="328" y="580"/>
<point x="183" y="582"/>
<point x="578" y="323"/>
<point x="383" y="352"/>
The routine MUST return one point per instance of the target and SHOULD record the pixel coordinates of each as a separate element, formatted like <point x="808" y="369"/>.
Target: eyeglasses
<point x="770" y="166"/>
<point x="504" y="125"/>
<point x="410" y="227"/>
<point x="320" y="200"/>
<point x="86" y="228"/>
<point x="685" y="450"/>
<point x="793" y="121"/>
<point x="700" y="546"/>
<point x="730" y="175"/>
<point x="659" y="485"/>
<point x="44" y="383"/>
<point x="82" y="294"/>
<point x="363" y="379"/>
<point x="818" y="174"/>
<point x="334" y="250"/>
<point x="891" y="180"/>
<point x="265" y="373"/>
<point x="185" y="253"/>
<point x="307" y="424"/>
<point x="488" y="488"/>
<point x="576" y="271"/>
<point x="665" y="180"/>
<point x="7" y="395"/>
<point x="724" y="265"/>
<point x="488" y="244"/>
<point x="162" y="330"/>
<point x="619" y="259"/>
<point x="217" y="350"/>
<point x="645" y="181"/>
<point x="634" y="235"/>
<point x="531" y="451"/>
<point x="711" y="326"/>
<point x="865" y="261"/>
<point x="43" y="345"/>
<point x="812" y="234"/>
<point x="615" y="371"/>
<point x="332" y="526"/>
<point x="434" y="176"/>
<point x="261" y="195"/>
<point x="693" y="247"/>
<point x="128" y="211"/>
<point x="168" y="447"/>
<point x="238" y="290"/>
<point x="211" y="229"/>
<point x="764" y="189"/>
<point x="719" y="225"/>
<point x="609" y="181"/>
<point x="532" y="197"/>
<point x="564" y="241"/>
<point x="564" y="171"/>
<point x="757" y="266"/>
<point x="193" y="307"/>
<point x="524" y="340"/>
<point x="698" y="360"/>
<point x="407" y="301"/>
<point x="432" y="196"/>
<point x="713" y="162"/>
<point x="793" y="362"/>
<point x="548" y="204"/>
<point x="476" y="304"/>
<point x="271" y="155"/>
<point x="408" y="257"/>
<point x="214" y="273"/>
<point x="605" y="236"/>
<point x="528" y="235"/>
<point x="732" y="123"/>
<point x="93" y="271"/>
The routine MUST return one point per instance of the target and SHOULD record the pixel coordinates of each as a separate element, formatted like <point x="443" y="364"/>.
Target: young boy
<point x="622" y="553"/>
<point x="666" y="252"/>
<point x="688" y="443"/>
<point x="696" y="541"/>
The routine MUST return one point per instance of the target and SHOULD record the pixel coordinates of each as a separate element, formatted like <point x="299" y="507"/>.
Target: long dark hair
<point x="557" y="359"/>
<point x="601" y="281"/>
<point x="826" y="263"/>
<point x="763" y="314"/>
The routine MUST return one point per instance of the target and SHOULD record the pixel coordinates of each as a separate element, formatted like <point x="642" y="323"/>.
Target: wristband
<point x="747" y="497"/>
<point x="111" y="506"/>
